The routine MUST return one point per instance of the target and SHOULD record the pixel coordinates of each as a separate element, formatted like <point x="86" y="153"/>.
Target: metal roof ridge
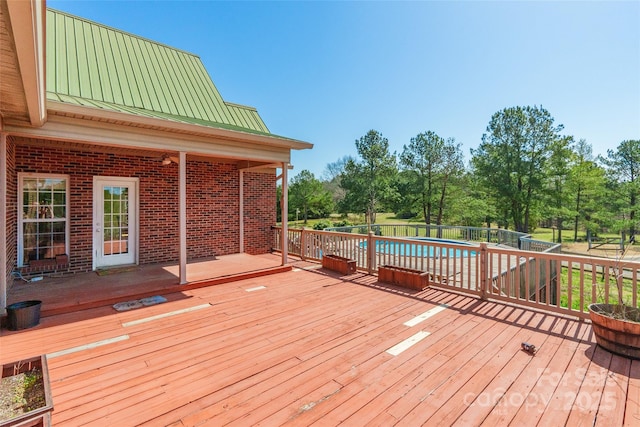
<point x="246" y="107"/>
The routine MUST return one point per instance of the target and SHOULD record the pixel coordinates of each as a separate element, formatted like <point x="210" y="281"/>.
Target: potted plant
<point x="617" y="326"/>
<point x="25" y="393"/>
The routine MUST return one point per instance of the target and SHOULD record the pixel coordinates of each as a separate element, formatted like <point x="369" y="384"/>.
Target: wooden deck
<point x="307" y="347"/>
<point x="89" y="290"/>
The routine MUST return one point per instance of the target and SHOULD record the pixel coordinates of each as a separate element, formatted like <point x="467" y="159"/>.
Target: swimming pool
<point x="421" y="250"/>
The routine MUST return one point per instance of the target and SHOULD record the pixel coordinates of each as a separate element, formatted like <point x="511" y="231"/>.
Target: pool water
<point x="420" y="250"/>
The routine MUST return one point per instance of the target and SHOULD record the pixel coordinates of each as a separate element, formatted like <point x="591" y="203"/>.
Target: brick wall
<point x="259" y="211"/>
<point x="212" y="209"/>
<point x="212" y="202"/>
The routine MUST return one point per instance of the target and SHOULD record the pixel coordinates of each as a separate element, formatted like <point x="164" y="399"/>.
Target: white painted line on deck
<point x="257" y="288"/>
<point x="87" y="346"/>
<point x="163" y="315"/>
<point x="424" y="316"/>
<point x="408" y="343"/>
<point x="307" y="268"/>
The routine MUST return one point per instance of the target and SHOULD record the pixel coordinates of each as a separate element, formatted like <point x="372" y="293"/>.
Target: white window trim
<point x="21" y="177"/>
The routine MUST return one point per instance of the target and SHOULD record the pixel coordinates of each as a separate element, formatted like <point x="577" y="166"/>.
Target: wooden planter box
<point x="37" y="417"/>
<point x="619" y="336"/>
<point x="405" y="277"/>
<point x="340" y="264"/>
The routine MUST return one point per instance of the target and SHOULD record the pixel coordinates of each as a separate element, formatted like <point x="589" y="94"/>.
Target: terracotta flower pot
<point x="613" y="332"/>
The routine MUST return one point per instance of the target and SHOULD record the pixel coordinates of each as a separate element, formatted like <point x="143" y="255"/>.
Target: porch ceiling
<point x="13" y="103"/>
<point x="228" y="145"/>
<point x="22" y="70"/>
<point x="151" y="154"/>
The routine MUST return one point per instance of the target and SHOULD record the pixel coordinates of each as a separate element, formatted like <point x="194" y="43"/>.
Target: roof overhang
<point x="28" y="27"/>
<point x="113" y="129"/>
<point x="61" y="109"/>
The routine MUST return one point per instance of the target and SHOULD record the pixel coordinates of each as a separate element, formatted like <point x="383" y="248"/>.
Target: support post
<point x="241" y="225"/>
<point x="182" y="215"/>
<point x="285" y="214"/>
<point x="371" y="251"/>
<point x="303" y="243"/>
<point x="483" y="270"/>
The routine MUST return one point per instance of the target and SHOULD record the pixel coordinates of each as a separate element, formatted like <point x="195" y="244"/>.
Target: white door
<point x="115" y="218"/>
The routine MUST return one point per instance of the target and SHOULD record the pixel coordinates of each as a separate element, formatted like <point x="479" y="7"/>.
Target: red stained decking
<point x="90" y="290"/>
<point x="307" y="347"/>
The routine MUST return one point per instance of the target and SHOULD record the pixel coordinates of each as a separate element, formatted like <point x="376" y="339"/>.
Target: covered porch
<point x="65" y="294"/>
<point x="89" y="180"/>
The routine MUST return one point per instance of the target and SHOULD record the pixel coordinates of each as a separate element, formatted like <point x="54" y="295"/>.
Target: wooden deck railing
<point x="550" y="280"/>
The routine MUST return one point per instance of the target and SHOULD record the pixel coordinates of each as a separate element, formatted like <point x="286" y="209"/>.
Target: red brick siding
<point x="212" y="209"/>
<point x="259" y="211"/>
<point x="212" y="203"/>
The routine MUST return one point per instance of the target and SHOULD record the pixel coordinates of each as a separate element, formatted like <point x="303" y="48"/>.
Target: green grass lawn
<point x="355" y="219"/>
<point x="627" y="289"/>
<point x="547" y="234"/>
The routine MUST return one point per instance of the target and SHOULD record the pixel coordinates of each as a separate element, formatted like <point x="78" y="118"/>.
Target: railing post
<point x="371" y="251"/>
<point x="483" y="270"/>
<point x="303" y="243"/>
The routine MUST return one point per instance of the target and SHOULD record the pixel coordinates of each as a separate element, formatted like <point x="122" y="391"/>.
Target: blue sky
<point x="328" y="72"/>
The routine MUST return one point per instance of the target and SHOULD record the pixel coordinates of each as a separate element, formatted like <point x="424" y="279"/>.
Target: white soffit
<point x="92" y="132"/>
<point x="28" y="26"/>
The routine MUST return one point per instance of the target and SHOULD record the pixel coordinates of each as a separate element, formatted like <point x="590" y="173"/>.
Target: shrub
<point x="343" y="223"/>
<point x="321" y="225"/>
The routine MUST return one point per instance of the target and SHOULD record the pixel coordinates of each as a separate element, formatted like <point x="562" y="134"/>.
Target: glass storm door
<point x="115" y="221"/>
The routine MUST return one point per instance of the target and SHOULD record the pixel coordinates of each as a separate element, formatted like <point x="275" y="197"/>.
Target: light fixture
<point x="166" y="160"/>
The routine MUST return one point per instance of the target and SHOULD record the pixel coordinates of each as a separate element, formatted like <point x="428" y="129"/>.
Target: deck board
<point x="436" y="389"/>
<point x="310" y="349"/>
<point x="632" y="411"/>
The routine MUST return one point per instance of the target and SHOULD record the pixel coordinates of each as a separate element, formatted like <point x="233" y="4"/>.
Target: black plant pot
<point x="23" y="314"/>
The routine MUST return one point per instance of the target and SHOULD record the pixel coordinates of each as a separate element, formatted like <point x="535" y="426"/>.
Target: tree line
<point x="525" y="173"/>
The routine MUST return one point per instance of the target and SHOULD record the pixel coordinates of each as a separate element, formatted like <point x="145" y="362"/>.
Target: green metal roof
<point x="93" y="65"/>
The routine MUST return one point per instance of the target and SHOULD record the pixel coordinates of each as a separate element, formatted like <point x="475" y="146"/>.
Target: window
<point x="43" y="217"/>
